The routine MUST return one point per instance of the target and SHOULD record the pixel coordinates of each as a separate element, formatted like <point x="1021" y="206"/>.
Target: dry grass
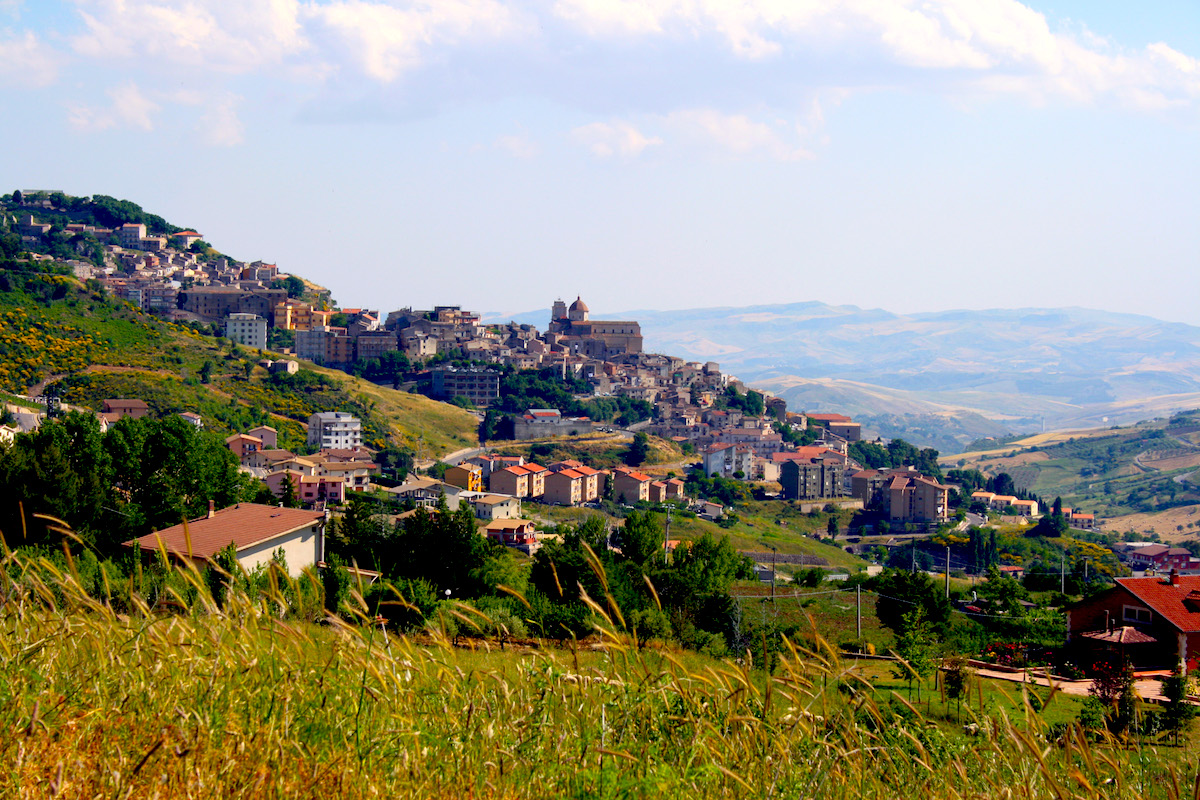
<point x="1164" y="523"/>
<point x="242" y="701"/>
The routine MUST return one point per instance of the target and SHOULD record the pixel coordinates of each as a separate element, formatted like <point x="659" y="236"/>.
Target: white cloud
<point x="518" y="146"/>
<point x="220" y="125"/>
<point x="213" y="34"/>
<point x="380" y="39"/>
<point x="737" y="133"/>
<point x="385" y="40"/>
<point x="606" y="139"/>
<point x="25" y="62"/>
<point x="130" y="108"/>
<point x="995" y="45"/>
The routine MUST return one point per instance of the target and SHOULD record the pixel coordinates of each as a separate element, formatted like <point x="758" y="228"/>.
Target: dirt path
<point x="1148" y="687"/>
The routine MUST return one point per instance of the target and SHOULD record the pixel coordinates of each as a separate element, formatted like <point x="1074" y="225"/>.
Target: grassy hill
<point x="245" y="703"/>
<point x="1142" y="468"/>
<point x="54" y="329"/>
<point x="759" y="524"/>
<point x="599" y="450"/>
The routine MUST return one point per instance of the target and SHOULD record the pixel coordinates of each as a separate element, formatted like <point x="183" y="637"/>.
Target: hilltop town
<point x="198" y="431"/>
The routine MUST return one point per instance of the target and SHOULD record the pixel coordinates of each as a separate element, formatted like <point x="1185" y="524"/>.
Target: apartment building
<point x="334" y="429"/>
<point x="247" y="329"/>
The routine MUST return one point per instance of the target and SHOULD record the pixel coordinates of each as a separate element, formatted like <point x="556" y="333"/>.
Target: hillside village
<point x="877" y="503"/>
<point x="735" y="432"/>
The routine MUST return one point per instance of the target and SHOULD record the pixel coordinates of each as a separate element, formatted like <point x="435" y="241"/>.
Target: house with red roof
<point x="666" y="491"/>
<point x="1159" y="557"/>
<point x="187" y="238"/>
<point x="516" y="533"/>
<point x="521" y="480"/>
<point x="256" y="531"/>
<point x="630" y="486"/>
<point x="564" y="487"/>
<point x="1164" y="611"/>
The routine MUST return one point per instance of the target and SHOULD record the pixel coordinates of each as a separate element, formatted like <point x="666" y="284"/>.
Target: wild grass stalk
<point x="247" y="698"/>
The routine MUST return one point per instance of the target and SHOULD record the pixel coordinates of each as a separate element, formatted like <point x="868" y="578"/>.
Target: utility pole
<point x="1062" y="570"/>
<point x="858" y="610"/>
<point x="913" y="545"/>
<point x="667" y="535"/>
<point x="947" y="569"/>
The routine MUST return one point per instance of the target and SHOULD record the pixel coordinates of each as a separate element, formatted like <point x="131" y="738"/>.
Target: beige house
<point x="510" y="480"/>
<point x="918" y="499"/>
<point x="631" y="486"/>
<point x="256" y="531"/>
<point x="564" y="488"/>
<point x="495" y="506"/>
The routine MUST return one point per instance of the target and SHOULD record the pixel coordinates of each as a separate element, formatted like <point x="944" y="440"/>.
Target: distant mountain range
<point x="942" y="378"/>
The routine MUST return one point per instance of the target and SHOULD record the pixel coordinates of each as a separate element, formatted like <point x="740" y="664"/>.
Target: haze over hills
<point x="946" y="377"/>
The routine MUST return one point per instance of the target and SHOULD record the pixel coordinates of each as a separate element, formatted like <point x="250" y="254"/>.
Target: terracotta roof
<point x="1166" y="599"/>
<point x="802" y="454"/>
<point x="637" y="476"/>
<point x="235" y="437"/>
<point x="566" y="473"/>
<point x="1123" y="635"/>
<point x="829" y="417"/>
<point x="500" y="525"/>
<point x="244" y="525"/>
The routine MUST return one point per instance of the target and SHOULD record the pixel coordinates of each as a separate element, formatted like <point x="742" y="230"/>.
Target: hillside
<point x="944" y="378"/>
<point x="599" y="450"/>
<point x="54" y="329"/>
<point x="1142" y="469"/>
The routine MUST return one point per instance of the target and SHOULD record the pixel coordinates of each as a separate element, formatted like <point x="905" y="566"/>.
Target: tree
<point x="288" y="495"/>
<point x="957" y="677"/>
<point x="1002" y="484"/>
<point x="906" y="591"/>
<point x="1003" y="593"/>
<point x="336" y="581"/>
<point x="1178" y="712"/>
<point x="642" y="539"/>
<point x="832" y="526"/>
<point x="639" y="450"/>
<point x="18" y="198"/>
<point x="915" y="646"/>
<point x="206" y="371"/>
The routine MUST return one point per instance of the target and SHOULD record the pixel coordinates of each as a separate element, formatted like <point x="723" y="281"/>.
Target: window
<point x="1135" y="614"/>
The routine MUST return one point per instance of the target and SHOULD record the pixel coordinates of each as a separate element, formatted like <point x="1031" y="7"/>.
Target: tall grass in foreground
<point x="237" y="701"/>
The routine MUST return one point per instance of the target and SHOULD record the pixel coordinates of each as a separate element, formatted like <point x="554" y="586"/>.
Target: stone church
<point x="600" y="339"/>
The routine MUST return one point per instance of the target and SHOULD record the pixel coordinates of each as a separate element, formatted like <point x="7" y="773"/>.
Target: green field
<point x="1111" y="473"/>
<point x="273" y="699"/>
<point x="773" y="522"/>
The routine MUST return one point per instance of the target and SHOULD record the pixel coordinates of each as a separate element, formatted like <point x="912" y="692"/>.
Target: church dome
<point x="579" y="305"/>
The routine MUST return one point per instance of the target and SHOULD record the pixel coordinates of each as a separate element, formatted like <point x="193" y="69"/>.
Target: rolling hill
<point x="944" y="378"/>
<point x="54" y="330"/>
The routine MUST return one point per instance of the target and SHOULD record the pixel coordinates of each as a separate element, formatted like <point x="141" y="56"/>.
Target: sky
<point x="913" y="155"/>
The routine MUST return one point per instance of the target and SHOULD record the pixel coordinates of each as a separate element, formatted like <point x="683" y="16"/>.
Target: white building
<point x="257" y="533"/>
<point x="334" y="430"/>
<point x="247" y="329"/>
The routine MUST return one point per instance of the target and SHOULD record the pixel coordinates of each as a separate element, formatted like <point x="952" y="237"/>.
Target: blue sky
<point x="643" y="153"/>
